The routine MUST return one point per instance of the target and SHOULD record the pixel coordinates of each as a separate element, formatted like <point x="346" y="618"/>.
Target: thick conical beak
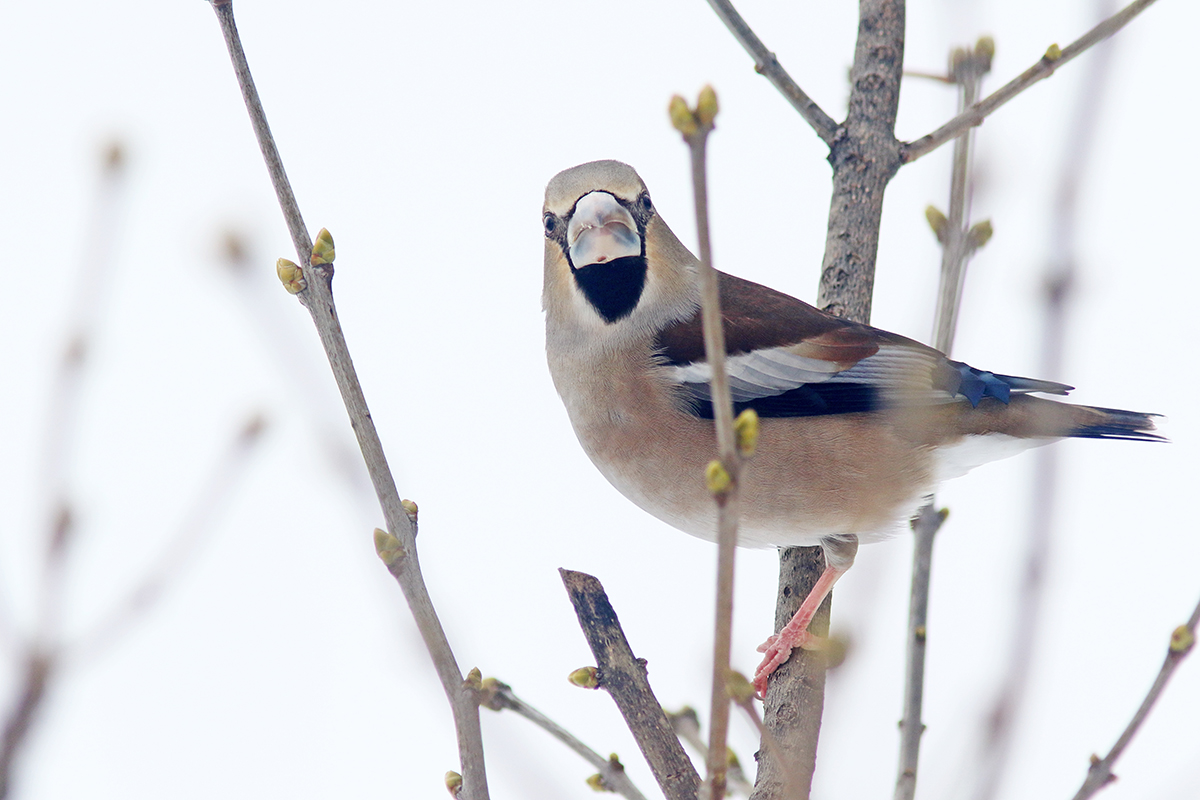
<point x="601" y="230"/>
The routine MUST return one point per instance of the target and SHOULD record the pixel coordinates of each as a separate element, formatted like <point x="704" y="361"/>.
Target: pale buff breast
<point x="869" y="480"/>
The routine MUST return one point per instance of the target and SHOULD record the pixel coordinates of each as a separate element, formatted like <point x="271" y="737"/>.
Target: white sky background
<point x="283" y="661"/>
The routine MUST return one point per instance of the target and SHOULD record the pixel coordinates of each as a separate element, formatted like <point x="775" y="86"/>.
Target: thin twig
<point x="38" y="667"/>
<point x="967" y="68"/>
<point x="687" y="727"/>
<point x="623" y="676"/>
<point x="925" y="528"/>
<point x="1044" y="68"/>
<point x="1061" y="268"/>
<point x="767" y="65"/>
<point x="695" y="128"/>
<point x="498" y="696"/>
<point x="1100" y="773"/>
<point x="318" y="299"/>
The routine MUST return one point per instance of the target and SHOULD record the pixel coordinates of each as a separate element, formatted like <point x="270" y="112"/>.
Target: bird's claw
<point x="776" y="650"/>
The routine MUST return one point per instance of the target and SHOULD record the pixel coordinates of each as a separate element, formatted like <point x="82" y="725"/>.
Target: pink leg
<point x="838" y="558"/>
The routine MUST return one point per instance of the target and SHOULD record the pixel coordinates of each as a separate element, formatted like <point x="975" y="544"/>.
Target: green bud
<point x="322" y="252"/>
<point x="717" y="478"/>
<point x="706" y="106"/>
<point x="746" y="429"/>
<point x="682" y="117"/>
<point x="290" y="275"/>
<point x="980" y="234"/>
<point x="1053" y="53"/>
<point x="585" y="678"/>
<point x="937" y="220"/>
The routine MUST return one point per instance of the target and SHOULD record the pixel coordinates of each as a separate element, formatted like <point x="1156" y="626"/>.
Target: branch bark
<point x="1183" y="639"/>
<point x="864" y="159"/>
<point x="767" y="65"/>
<point x="499" y="696"/>
<point x="1044" y="68"/>
<point x="623" y="676"/>
<point x="318" y="299"/>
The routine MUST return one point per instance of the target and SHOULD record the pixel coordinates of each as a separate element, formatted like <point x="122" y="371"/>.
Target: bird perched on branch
<point x="858" y="425"/>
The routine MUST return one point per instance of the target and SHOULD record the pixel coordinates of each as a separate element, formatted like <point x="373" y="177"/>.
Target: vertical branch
<point x="864" y="159"/>
<point x="723" y="475"/>
<point x="959" y="241"/>
<point x="315" y="292"/>
<point x="1059" y="283"/>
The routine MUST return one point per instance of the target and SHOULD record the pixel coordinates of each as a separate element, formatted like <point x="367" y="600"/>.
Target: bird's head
<point x="610" y="259"/>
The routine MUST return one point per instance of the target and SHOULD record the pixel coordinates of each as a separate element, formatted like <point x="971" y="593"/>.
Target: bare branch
<point x="624" y="678"/>
<point x="724" y="474"/>
<point x="925" y="527"/>
<point x="1100" y="773"/>
<point x="767" y="65"/>
<point x="318" y="299"/>
<point x="1061" y="269"/>
<point x="499" y="696"/>
<point x="1044" y="68"/>
<point x="687" y="727"/>
<point x="39" y="665"/>
<point x="967" y="68"/>
<point x="864" y="159"/>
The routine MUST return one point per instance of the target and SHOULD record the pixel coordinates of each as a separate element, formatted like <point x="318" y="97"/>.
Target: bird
<point x="857" y="425"/>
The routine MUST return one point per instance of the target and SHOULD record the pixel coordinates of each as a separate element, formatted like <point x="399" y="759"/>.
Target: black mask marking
<point x="613" y="287"/>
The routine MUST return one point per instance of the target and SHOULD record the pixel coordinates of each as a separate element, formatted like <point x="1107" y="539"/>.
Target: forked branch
<point x="1044" y="68"/>
<point x="767" y="65"/>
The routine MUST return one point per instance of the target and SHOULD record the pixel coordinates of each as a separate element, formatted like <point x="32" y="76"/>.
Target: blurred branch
<point x="316" y="294"/>
<point x="767" y="65"/>
<point x="499" y="696"/>
<point x="1059" y="283"/>
<point x="967" y="68"/>
<point x="35" y="677"/>
<point x="1044" y="68"/>
<point x="723" y="475"/>
<point x="1183" y="639"/>
<point x="624" y="678"/>
<point x="224" y="475"/>
<point x="687" y="727"/>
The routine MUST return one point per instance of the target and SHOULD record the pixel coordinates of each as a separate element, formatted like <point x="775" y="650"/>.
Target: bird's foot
<point x="776" y="650"/>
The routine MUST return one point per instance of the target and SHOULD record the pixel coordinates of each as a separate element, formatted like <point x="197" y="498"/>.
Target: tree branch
<point x="1058" y="285"/>
<point x="767" y="65"/>
<point x="967" y="68"/>
<point x="499" y="696"/>
<point x="925" y="528"/>
<point x="318" y="299"/>
<point x="723" y="475"/>
<point x="624" y="678"/>
<point x="1044" y="68"/>
<point x="864" y="159"/>
<point x="1100" y="773"/>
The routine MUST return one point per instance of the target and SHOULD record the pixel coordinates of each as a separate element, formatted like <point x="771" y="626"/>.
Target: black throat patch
<point x="613" y="287"/>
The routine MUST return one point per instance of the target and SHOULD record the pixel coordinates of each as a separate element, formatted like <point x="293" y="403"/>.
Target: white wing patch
<point x="761" y="373"/>
<point x="899" y="372"/>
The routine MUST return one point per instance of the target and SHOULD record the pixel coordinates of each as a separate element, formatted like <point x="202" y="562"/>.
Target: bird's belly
<point x="812" y="477"/>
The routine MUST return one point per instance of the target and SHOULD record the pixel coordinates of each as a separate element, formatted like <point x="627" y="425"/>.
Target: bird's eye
<point x="646" y="204"/>
<point x="550" y="222"/>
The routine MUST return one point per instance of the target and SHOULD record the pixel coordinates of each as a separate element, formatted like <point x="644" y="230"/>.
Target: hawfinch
<point x="858" y="425"/>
